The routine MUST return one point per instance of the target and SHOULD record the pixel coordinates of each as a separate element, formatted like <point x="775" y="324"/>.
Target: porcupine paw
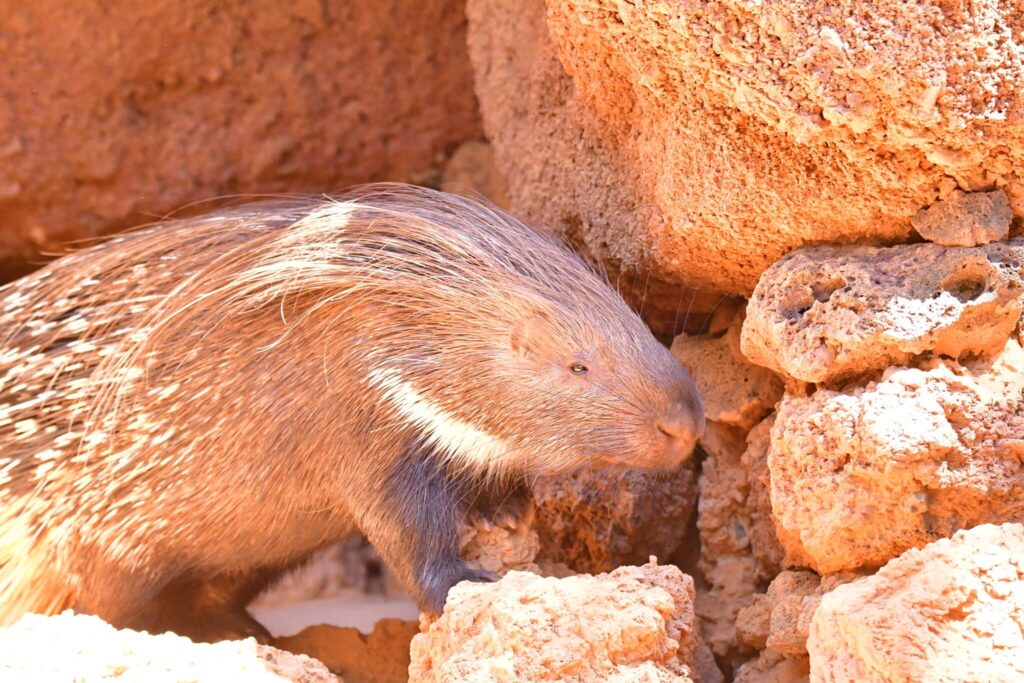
<point x="439" y="577"/>
<point x="506" y="510"/>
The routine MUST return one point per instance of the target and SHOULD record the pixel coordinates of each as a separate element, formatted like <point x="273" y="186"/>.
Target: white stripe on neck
<point x="458" y="441"/>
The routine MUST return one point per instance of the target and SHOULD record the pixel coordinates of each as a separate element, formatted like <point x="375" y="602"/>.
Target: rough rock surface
<point x="115" y="113"/>
<point x="734" y="391"/>
<point x="380" y="657"/>
<point x="87" y="649"/>
<point x="636" y="623"/>
<point x="949" y="612"/>
<point x="594" y="521"/>
<point x="779" y="619"/>
<point x="703" y="140"/>
<point x="772" y="667"/>
<point x="966" y="219"/>
<point x="861" y="475"/>
<point x="471" y="169"/>
<point x="740" y="553"/>
<point x="500" y="549"/>
<point x="824" y="313"/>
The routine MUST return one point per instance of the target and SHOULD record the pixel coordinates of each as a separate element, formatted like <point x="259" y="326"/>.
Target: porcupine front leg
<point x="412" y="521"/>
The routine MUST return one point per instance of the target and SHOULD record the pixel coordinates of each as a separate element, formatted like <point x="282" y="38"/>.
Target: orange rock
<point x="381" y="657"/>
<point x="951" y="611"/>
<point x="826" y="313"/>
<point x="734" y="391"/>
<point x="772" y="667"/>
<point x="966" y="219"/>
<point x="471" y="170"/>
<point x="701" y="141"/>
<point x="116" y="113"/>
<point x="635" y="623"/>
<point x="739" y="549"/>
<point x="861" y="475"/>
<point x="595" y="521"/>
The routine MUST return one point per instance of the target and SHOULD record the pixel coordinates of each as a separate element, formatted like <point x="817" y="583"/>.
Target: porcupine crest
<point x="96" y="338"/>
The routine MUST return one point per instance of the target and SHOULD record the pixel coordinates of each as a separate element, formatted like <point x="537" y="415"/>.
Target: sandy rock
<point x="595" y="521"/>
<point x="380" y="657"/>
<point x="825" y="313"/>
<point x="115" y="113"/>
<point x="773" y="667"/>
<point x="701" y="141"/>
<point x="861" y="475"/>
<point x="951" y="611"/>
<point x="734" y="391"/>
<point x="471" y="169"/>
<point x="500" y="549"/>
<point x="966" y="219"/>
<point x="636" y="623"/>
<point x="92" y="650"/>
<point x="739" y="549"/>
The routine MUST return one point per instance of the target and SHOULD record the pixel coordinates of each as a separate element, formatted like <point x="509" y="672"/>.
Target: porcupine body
<point x="189" y="410"/>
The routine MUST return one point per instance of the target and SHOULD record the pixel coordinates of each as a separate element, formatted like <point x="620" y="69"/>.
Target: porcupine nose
<point x="682" y="423"/>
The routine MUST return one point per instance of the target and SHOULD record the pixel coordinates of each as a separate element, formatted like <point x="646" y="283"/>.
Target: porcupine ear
<point x="531" y="335"/>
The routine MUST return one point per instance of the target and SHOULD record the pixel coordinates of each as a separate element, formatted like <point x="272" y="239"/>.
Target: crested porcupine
<point x="188" y="410"/>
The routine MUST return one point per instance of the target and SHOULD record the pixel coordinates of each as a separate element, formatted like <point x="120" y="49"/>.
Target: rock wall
<point x="114" y="114"/>
<point x="696" y="143"/>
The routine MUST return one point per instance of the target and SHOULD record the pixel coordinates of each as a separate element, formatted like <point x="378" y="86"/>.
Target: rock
<point x="635" y="623"/>
<point x="861" y="475"/>
<point x="92" y="650"/>
<point x="772" y="667"/>
<point x="381" y="657"/>
<point x="594" y="521"/>
<point x="778" y="621"/>
<point x="115" y="114"/>
<point x="951" y="611"/>
<point x="739" y="549"/>
<point x="754" y="623"/>
<point x="471" y="169"/>
<point x="734" y="391"/>
<point x="500" y="549"/>
<point x="700" y="141"/>
<point x="347" y="565"/>
<point x="966" y="219"/>
<point x="824" y="314"/>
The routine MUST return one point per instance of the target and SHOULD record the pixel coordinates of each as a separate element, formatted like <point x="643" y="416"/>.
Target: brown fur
<point x="190" y="409"/>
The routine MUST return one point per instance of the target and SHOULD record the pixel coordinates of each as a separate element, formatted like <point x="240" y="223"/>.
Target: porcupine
<point x="190" y="409"/>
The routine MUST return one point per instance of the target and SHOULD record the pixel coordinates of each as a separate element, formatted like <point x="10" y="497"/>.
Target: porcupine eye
<point x="578" y="368"/>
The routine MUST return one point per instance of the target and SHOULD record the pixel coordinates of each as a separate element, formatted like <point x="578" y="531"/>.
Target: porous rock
<point x="380" y="657"/>
<point x="113" y="114"/>
<point x="471" y="170"/>
<point x="773" y="667"/>
<point x="951" y="611"/>
<point x="733" y="390"/>
<point x="701" y="141"/>
<point x="88" y="649"/>
<point x="861" y="475"/>
<point x="825" y="313"/>
<point x="596" y="520"/>
<point x="635" y="623"/>
<point x="739" y="550"/>
<point x="779" y="619"/>
<point x="966" y="219"/>
<point x="499" y="549"/>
